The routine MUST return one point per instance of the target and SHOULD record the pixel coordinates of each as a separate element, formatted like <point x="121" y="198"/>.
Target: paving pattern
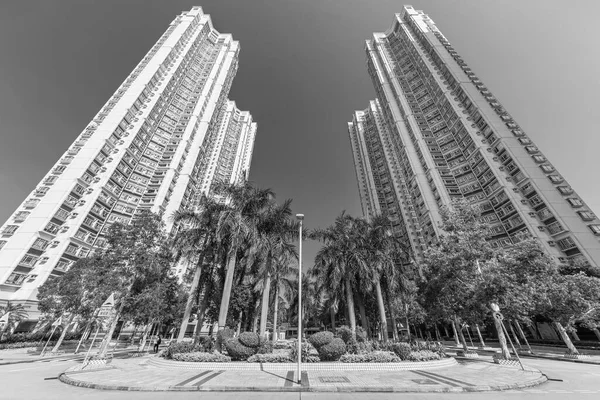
<point x="135" y="375"/>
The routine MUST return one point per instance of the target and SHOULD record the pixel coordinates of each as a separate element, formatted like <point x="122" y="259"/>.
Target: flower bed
<point x="201" y="357"/>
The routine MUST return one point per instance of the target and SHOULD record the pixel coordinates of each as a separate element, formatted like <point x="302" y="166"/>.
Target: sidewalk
<point x="21" y="356"/>
<point x="139" y="375"/>
<point x="545" y="352"/>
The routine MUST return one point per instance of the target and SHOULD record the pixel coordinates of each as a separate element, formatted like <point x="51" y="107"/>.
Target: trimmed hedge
<point x="270" y="358"/>
<point x="320" y="339"/>
<point x="309" y="353"/>
<point x="201" y="357"/>
<point x="249" y="339"/>
<point x="238" y="351"/>
<point x="402" y="350"/>
<point x="180" y="348"/>
<point x="423" y="355"/>
<point x="333" y="350"/>
<point x="372" y="357"/>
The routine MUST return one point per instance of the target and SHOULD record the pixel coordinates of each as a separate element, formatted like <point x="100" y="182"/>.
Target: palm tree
<point x="238" y="224"/>
<point x="276" y="230"/>
<point x="341" y="258"/>
<point x="16" y="313"/>
<point x="193" y="244"/>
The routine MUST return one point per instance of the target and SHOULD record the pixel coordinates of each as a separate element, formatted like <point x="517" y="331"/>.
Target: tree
<point x="571" y="299"/>
<point x="16" y="313"/>
<point x="452" y="268"/>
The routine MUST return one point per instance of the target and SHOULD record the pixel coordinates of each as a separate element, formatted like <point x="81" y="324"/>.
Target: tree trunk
<point x="382" y="317"/>
<point x="388" y="297"/>
<point x="350" y="301"/>
<point x="363" y="314"/>
<point x="565" y="337"/>
<point x="597" y="333"/>
<point x="421" y="333"/>
<point x="461" y="335"/>
<point x="531" y="327"/>
<point x="522" y="334"/>
<point x="332" y="315"/>
<point x="502" y="339"/>
<point x="408" y="337"/>
<point x="62" y="335"/>
<point x="455" y="334"/>
<point x="142" y="343"/>
<point x="480" y="337"/>
<point x="446" y="330"/>
<point x="264" y="312"/>
<point x="190" y="301"/>
<point x="575" y="336"/>
<point x="276" y="313"/>
<point x="255" y="316"/>
<point x="239" y="325"/>
<point x="227" y="290"/>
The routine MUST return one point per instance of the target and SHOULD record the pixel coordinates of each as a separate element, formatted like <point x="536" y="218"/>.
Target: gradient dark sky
<point x="302" y="72"/>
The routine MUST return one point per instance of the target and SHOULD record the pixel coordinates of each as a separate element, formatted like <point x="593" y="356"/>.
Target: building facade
<point x="159" y="142"/>
<point x="436" y="132"/>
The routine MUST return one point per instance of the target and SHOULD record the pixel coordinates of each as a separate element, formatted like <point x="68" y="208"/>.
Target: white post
<point x="300" y="217"/>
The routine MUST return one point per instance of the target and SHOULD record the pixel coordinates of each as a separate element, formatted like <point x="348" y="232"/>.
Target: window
<point x="71" y="249"/>
<point x="21" y="216"/>
<point x="2" y="243"/>
<point x="538" y="158"/>
<point x="575" y="202"/>
<point x="547" y="168"/>
<point x="566" y="243"/>
<point x="586" y="215"/>
<point x="564" y="189"/>
<point x="28" y="260"/>
<point x="15" y="279"/>
<point x="524" y="140"/>
<point x="531" y="149"/>
<point x="31" y="278"/>
<point x="61" y="214"/>
<point x="62" y="265"/>
<point x="595" y="229"/>
<point x="50" y="180"/>
<point x="9" y="230"/>
<point x="41" y="191"/>
<point x="52" y="228"/>
<point x="40" y="244"/>
<point x="555" y="178"/>
<point x="31" y="203"/>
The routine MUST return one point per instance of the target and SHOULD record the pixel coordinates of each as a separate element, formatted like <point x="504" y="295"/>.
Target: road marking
<point x="289" y="379"/>
<point x="193" y="378"/>
<point x="435" y="379"/>
<point x="446" y="378"/>
<point x="208" y="378"/>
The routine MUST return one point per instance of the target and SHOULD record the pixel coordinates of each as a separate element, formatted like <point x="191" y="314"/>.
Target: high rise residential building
<point x="165" y="136"/>
<point x="436" y="133"/>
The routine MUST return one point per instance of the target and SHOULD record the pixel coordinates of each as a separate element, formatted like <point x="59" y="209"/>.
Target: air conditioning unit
<point x="54" y="243"/>
<point x="81" y="202"/>
<point x="562" y="259"/>
<point x="74" y="215"/>
<point x="64" y="229"/>
<point x="44" y="259"/>
<point x="551" y="243"/>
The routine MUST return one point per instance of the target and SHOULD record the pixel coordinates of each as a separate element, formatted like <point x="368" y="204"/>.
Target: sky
<point x="302" y="72"/>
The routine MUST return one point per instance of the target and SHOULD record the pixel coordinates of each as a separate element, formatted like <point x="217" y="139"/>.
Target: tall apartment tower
<point x="436" y="132"/>
<point x="159" y="142"/>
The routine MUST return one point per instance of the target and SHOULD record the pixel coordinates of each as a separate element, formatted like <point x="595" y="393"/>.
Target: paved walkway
<point x="136" y="374"/>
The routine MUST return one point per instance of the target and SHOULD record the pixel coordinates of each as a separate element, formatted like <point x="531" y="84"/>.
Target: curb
<point x="543" y="357"/>
<point x="336" y="366"/>
<point x="346" y="389"/>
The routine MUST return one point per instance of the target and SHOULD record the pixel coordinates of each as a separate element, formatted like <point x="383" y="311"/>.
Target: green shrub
<point x="361" y="335"/>
<point x="352" y="346"/>
<point x="179" y="348"/>
<point x="282" y="345"/>
<point x="372" y="357"/>
<point x="249" y="339"/>
<point x="332" y="351"/>
<point x="423" y="355"/>
<point x="206" y="343"/>
<point x="307" y="351"/>
<point x="265" y="348"/>
<point x="402" y="350"/>
<point x="344" y="332"/>
<point x="320" y="339"/>
<point x="201" y="357"/>
<point x="238" y="351"/>
<point x="270" y="358"/>
<point x="222" y="337"/>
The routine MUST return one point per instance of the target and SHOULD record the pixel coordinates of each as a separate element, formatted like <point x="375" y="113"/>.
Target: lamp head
<point x="495" y="307"/>
<point x="300" y="216"/>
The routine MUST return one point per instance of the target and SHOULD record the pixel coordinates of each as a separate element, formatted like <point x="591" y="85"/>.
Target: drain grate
<point x="425" y="382"/>
<point x="334" y="379"/>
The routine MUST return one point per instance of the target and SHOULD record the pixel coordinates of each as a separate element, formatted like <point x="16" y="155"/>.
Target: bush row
<point x="201" y="357"/>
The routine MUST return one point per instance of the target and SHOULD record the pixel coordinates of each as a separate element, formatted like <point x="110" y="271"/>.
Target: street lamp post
<point x="300" y="217"/>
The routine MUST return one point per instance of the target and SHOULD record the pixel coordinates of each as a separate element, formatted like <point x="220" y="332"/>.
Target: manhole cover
<point x="334" y="379"/>
<point x="425" y="382"/>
